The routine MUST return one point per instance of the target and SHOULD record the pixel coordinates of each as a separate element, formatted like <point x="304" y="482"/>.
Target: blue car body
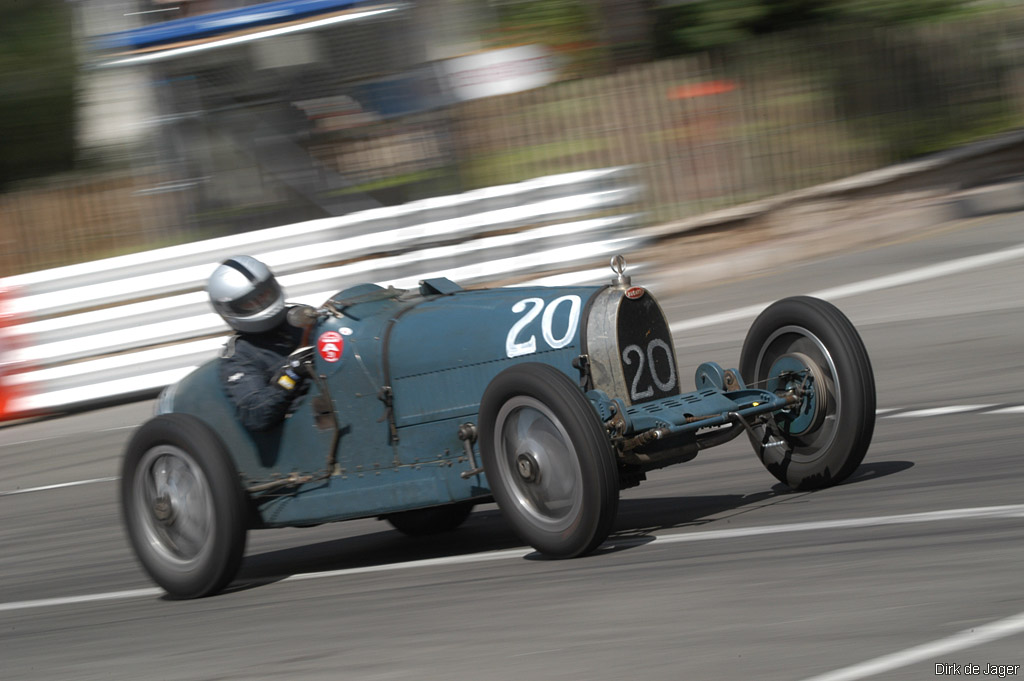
<point x="410" y="368"/>
<point x="562" y="395"/>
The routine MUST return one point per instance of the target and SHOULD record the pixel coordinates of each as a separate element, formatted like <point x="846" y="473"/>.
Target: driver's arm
<point x="246" y="373"/>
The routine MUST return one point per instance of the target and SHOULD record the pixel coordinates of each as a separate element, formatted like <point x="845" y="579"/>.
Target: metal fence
<point x="778" y="114"/>
<point x="85" y="216"/>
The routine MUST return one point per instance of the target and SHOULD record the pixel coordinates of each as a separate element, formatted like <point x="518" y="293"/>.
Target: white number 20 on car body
<point x="531" y="308"/>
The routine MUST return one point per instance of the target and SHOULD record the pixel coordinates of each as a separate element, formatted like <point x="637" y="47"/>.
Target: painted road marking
<point x="88" y="598"/>
<point x="1009" y="410"/>
<point x="64" y="437"/>
<point x="940" y="411"/>
<point x="59" y="485"/>
<point x="904" y="413"/>
<point x="981" y="513"/>
<point x="968" y="638"/>
<point x="942" y="269"/>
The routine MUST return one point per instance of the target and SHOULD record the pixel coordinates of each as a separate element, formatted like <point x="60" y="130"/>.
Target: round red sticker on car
<point x="330" y="346"/>
<point x="635" y="292"/>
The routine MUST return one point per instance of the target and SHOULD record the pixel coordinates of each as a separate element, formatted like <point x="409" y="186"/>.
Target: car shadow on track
<point x="877" y="469"/>
<point x="865" y="473"/>
<point x="486" y="530"/>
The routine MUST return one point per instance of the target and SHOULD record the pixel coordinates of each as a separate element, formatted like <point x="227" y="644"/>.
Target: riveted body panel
<point x="443" y="351"/>
<point x="410" y="369"/>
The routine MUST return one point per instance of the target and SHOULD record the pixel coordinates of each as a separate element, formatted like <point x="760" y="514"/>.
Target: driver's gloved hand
<point x="294" y="370"/>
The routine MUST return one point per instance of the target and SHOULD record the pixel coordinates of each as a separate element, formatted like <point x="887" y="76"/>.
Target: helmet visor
<point x="260" y="298"/>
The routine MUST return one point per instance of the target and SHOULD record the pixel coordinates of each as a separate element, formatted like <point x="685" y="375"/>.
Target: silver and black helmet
<point x="246" y="295"/>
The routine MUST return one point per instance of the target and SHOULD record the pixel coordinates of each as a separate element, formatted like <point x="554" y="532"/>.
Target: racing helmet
<point x="246" y="295"/>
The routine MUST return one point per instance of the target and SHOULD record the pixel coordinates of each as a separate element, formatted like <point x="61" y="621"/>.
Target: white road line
<point x="58" y="485"/>
<point x="989" y="512"/>
<point x="940" y="411"/>
<point x="426" y="563"/>
<point x="1013" y="511"/>
<point x="967" y="638"/>
<point x="89" y="598"/>
<point x="1009" y="410"/>
<point x="64" y="437"/>
<point x="747" y="312"/>
<point x="942" y="269"/>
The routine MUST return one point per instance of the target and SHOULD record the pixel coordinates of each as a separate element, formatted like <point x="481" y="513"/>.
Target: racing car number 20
<point x="531" y="308"/>
<point x="639" y="389"/>
<point x="648" y="362"/>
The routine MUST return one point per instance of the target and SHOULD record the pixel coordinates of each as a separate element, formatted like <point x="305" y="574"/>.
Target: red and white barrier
<point x="12" y="391"/>
<point x="122" y="328"/>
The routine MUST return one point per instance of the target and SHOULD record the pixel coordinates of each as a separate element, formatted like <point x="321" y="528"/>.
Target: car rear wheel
<point x="807" y="344"/>
<point x="183" y="506"/>
<point x="548" y="460"/>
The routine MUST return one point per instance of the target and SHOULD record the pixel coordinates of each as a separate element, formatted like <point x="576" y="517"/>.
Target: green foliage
<point x="568" y="26"/>
<point x="553" y="21"/>
<point x="889" y="12"/>
<point x="710" y="24"/>
<point x="919" y="91"/>
<point x="37" y="70"/>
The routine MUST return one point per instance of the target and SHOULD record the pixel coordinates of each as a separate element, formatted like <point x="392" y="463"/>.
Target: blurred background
<point x="127" y="125"/>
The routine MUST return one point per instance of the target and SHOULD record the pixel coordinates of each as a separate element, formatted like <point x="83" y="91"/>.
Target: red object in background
<point x="10" y="394"/>
<point x="6" y="390"/>
<point x="703" y="89"/>
<point x="701" y="115"/>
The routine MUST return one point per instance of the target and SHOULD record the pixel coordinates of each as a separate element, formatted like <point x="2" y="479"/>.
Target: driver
<point x="261" y="366"/>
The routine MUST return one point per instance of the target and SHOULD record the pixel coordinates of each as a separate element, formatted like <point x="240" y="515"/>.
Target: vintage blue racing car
<point x="425" y="402"/>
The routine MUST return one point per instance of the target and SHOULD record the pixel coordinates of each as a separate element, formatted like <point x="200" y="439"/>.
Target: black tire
<point x="183" y="506"/>
<point x="823" y="442"/>
<point x="423" y="522"/>
<point x="548" y="460"/>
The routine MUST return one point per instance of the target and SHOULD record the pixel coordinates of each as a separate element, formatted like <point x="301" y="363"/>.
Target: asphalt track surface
<point x="714" y="571"/>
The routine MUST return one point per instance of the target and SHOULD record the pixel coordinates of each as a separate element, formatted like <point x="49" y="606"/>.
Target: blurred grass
<point x="505" y="167"/>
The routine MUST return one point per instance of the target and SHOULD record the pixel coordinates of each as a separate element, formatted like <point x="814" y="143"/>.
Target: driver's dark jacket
<point x="248" y="362"/>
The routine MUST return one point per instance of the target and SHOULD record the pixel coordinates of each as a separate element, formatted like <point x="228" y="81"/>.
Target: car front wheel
<point x="807" y="345"/>
<point x="183" y="506"/>
<point x="548" y="460"/>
